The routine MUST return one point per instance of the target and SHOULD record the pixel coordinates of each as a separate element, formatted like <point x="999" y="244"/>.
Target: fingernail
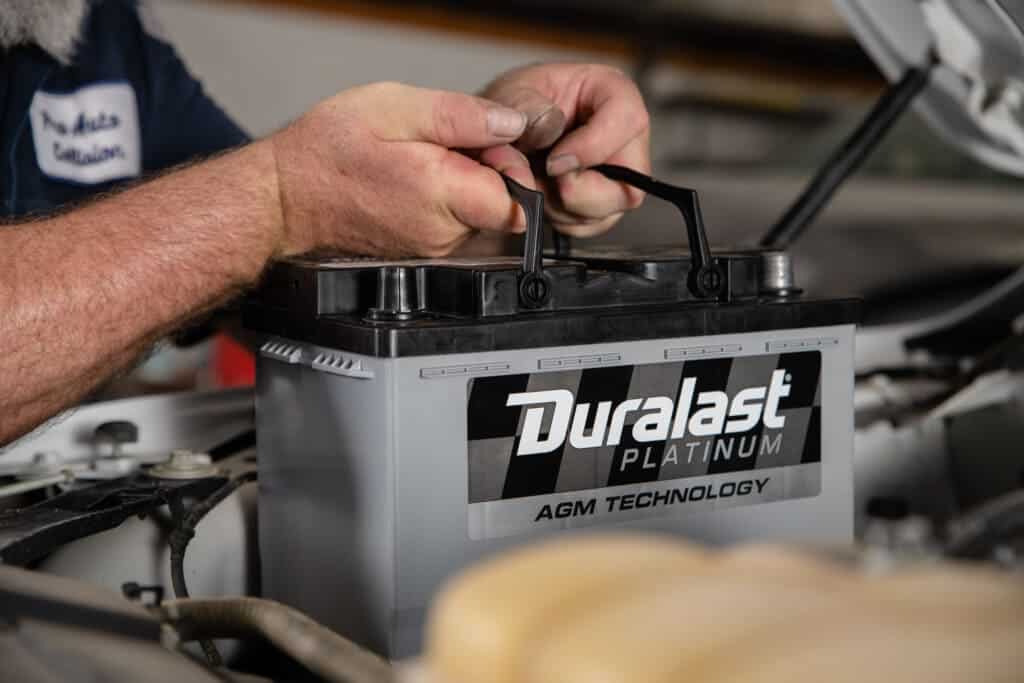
<point x="506" y="123"/>
<point x="562" y="164"/>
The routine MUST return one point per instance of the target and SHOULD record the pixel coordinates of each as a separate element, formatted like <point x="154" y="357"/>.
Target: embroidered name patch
<point x="88" y="136"/>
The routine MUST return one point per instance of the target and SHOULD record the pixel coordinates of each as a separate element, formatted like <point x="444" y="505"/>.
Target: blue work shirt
<point x="126" y="106"/>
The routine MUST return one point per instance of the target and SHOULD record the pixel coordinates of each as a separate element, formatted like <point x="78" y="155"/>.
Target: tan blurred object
<point x="811" y="16"/>
<point x="618" y="608"/>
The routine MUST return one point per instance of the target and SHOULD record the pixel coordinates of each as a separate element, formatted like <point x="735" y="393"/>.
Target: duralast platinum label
<point x="573" y="448"/>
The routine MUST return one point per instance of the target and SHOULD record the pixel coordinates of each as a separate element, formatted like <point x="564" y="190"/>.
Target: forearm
<point x="373" y="170"/>
<point x="83" y="294"/>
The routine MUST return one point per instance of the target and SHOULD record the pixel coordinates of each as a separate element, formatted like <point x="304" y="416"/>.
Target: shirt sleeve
<point x="180" y="121"/>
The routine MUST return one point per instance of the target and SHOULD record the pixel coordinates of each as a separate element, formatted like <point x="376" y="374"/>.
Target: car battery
<point x="415" y="416"/>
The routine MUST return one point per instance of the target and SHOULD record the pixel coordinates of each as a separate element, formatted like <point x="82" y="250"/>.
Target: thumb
<point x="545" y="121"/>
<point x="445" y="118"/>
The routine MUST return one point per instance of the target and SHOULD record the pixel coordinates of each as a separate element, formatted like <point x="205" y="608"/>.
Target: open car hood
<point x="976" y="95"/>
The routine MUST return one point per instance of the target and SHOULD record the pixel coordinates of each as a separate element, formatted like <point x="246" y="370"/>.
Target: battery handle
<point x="706" y="279"/>
<point x="534" y="284"/>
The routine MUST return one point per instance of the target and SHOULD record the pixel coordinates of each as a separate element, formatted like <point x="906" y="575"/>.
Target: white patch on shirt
<point x="88" y="136"/>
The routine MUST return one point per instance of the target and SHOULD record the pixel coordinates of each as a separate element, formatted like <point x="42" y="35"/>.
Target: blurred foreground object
<point x="59" y="629"/>
<point x="613" y="608"/>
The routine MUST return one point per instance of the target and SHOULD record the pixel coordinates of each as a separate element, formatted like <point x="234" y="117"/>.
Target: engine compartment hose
<point x="313" y="645"/>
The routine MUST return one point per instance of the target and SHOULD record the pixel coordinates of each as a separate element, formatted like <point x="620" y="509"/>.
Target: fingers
<point x="589" y="194"/>
<point x="510" y="161"/>
<point x="476" y="195"/>
<point x="584" y="228"/>
<point x="472" y="191"/>
<point x="448" y="119"/>
<point x="586" y="203"/>
<point x="545" y="121"/>
<point x="485" y="211"/>
<point x="618" y="117"/>
<point x="612" y="126"/>
<point x="470" y="194"/>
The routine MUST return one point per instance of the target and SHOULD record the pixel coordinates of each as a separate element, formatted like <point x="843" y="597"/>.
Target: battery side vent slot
<point x="578" y="361"/>
<point x="337" y="364"/>
<point x="801" y="344"/>
<point x="464" y="370"/>
<point x="702" y="351"/>
<point x="286" y="353"/>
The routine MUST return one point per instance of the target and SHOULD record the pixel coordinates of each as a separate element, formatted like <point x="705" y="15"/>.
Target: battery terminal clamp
<point x="706" y="279"/>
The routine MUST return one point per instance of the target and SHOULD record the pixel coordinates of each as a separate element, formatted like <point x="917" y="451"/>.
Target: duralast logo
<point x="709" y="413"/>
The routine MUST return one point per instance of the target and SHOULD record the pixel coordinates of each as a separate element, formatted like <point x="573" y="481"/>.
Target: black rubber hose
<point x="182" y="535"/>
<point x="236" y="444"/>
<point x="313" y="645"/>
<point x="848" y="158"/>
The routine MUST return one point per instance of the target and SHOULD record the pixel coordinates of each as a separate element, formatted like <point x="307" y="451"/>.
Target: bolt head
<point x="185" y="464"/>
<point x="187" y="460"/>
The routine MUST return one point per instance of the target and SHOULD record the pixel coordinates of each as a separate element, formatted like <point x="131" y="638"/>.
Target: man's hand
<point x="371" y="171"/>
<point x="587" y="115"/>
<point x="375" y="171"/>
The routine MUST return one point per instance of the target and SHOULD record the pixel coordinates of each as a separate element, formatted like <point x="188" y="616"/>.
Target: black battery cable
<point x="183" y="533"/>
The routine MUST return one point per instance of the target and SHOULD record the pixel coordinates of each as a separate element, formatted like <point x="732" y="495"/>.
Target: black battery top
<point x="574" y="296"/>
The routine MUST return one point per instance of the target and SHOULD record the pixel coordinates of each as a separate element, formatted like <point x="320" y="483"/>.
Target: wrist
<point x="271" y="198"/>
<point x="294" y="220"/>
